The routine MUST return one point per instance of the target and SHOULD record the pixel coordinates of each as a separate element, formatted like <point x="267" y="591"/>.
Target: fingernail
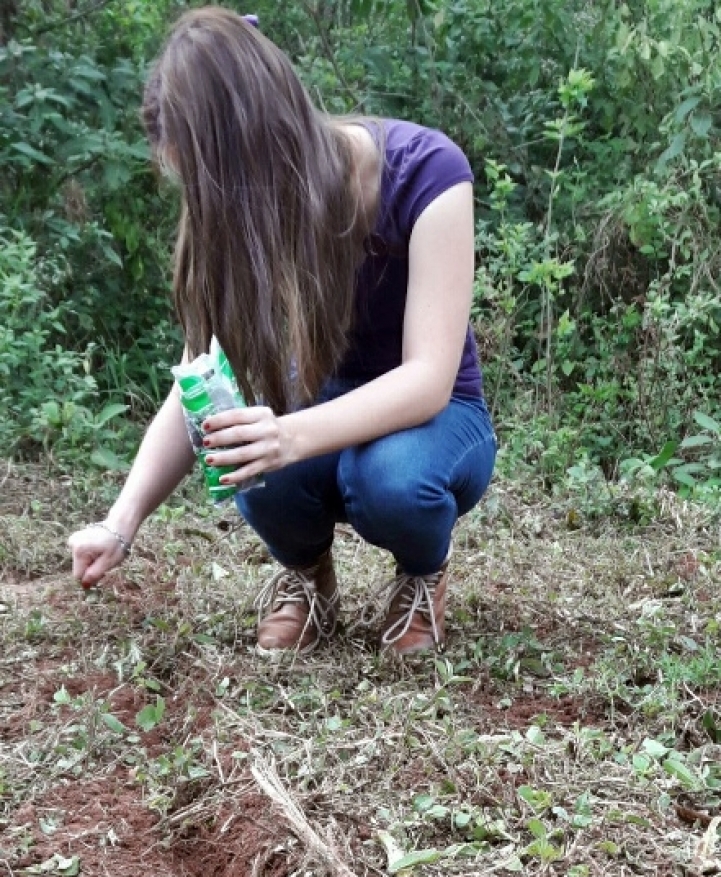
<point x="206" y="426"/>
<point x="224" y="479"/>
<point x="209" y="461"/>
<point x="206" y="442"/>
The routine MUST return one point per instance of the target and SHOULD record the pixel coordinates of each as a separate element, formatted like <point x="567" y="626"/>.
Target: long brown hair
<point x="270" y="227"/>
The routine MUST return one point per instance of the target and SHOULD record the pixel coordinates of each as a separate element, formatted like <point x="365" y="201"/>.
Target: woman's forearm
<point x="165" y="457"/>
<point x="404" y="397"/>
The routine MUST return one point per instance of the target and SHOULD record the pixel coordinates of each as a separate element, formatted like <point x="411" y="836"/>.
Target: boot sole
<point x="278" y="654"/>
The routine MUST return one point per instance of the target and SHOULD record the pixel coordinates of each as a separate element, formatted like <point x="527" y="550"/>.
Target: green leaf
<point x="685" y="107"/>
<point x="109" y="412"/>
<point x="512" y="864"/>
<point x="54" y="96"/>
<point x="151" y="715"/>
<point x="361" y="8"/>
<point x="334" y="723"/>
<point x="89" y="71"/>
<point x="146" y="718"/>
<point x="461" y="819"/>
<point x="536" y="798"/>
<point x="657" y="67"/>
<point x="712" y="729"/>
<point x="535" y="667"/>
<point x="112" y="256"/>
<point x="686" y="474"/>
<point x="707" y="422"/>
<point x="701" y="124"/>
<point x="491" y="830"/>
<point x="685" y="479"/>
<point x="113" y="723"/>
<point x="675" y="148"/>
<point x="660" y="460"/>
<point x="104" y="458"/>
<point x="641" y="763"/>
<point x="139" y="150"/>
<point x="62" y="696"/>
<point x="421" y="803"/>
<point x="676" y="768"/>
<point x="537" y="828"/>
<point x="418" y="857"/>
<point x="695" y="441"/>
<point x="689" y="644"/>
<point x="30" y="151"/>
<point x="68" y="867"/>
<point x="654" y="748"/>
<point x="545" y="850"/>
<point x="392" y="850"/>
<point x="695" y="468"/>
<point x="380" y="61"/>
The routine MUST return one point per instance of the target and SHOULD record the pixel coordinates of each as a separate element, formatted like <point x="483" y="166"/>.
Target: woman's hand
<point x="95" y="552"/>
<point x="253" y="439"/>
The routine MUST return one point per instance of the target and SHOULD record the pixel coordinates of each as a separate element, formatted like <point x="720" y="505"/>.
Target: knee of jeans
<point x="378" y="483"/>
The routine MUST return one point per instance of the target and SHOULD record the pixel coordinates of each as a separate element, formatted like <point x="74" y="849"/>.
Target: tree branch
<point x="76" y="16"/>
<point x="328" y="49"/>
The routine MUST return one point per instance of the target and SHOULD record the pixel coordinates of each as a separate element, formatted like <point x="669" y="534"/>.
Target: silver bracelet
<point x="124" y="544"/>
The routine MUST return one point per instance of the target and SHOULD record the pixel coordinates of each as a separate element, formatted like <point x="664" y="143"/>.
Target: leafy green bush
<point x="77" y="180"/>
<point x="594" y="133"/>
<point x="47" y="393"/>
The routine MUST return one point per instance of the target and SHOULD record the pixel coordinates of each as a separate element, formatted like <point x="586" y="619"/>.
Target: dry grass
<point x="572" y="726"/>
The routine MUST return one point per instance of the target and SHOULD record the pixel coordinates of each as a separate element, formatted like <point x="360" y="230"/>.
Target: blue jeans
<point x="403" y="492"/>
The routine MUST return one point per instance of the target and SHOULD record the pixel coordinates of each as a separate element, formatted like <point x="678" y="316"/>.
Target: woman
<point x="333" y="259"/>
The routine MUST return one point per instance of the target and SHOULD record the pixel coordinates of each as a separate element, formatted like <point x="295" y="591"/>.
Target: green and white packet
<point x="207" y="386"/>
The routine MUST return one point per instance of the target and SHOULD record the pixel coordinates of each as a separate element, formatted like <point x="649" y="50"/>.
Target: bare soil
<point x="523" y="748"/>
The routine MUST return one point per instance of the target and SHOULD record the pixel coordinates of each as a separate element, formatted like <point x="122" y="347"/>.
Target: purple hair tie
<point x="252" y="20"/>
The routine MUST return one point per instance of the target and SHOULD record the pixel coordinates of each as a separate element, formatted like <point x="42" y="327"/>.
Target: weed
<point x="572" y="711"/>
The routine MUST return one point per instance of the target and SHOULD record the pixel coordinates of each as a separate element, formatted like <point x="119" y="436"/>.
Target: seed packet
<point x="207" y="386"/>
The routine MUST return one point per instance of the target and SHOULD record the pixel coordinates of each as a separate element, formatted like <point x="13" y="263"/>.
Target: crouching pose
<point x="333" y="259"/>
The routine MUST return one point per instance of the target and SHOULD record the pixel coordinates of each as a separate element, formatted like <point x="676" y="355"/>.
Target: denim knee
<point x="391" y="494"/>
<point x="295" y="512"/>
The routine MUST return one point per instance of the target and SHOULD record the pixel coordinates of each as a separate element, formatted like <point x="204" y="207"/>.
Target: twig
<point x="218" y="764"/>
<point x="265" y="775"/>
<point x="89" y="10"/>
<point x="330" y="54"/>
<point x="703" y="858"/>
<point x="7" y="474"/>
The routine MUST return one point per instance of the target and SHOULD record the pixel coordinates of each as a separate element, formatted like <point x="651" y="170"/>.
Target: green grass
<point x="571" y="727"/>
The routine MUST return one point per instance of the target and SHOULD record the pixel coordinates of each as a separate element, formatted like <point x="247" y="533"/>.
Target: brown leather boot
<point x="298" y="608"/>
<point x="415" y="621"/>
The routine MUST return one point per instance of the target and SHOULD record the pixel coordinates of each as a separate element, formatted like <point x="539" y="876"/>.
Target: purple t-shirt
<point x="420" y="164"/>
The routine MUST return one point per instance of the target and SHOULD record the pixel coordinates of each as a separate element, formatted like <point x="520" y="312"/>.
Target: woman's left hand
<point x="253" y="439"/>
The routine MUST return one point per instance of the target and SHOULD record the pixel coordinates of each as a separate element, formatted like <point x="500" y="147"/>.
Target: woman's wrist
<point x="124" y="522"/>
<point x="125" y="545"/>
<point x="291" y="439"/>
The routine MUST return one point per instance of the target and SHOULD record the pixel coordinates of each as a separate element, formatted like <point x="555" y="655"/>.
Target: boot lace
<point x="413" y="594"/>
<point x="298" y="586"/>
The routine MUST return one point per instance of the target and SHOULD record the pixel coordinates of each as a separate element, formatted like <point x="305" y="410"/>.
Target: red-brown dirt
<point x="108" y="826"/>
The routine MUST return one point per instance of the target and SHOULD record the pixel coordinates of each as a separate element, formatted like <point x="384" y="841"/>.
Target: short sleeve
<point x="433" y="163"/>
